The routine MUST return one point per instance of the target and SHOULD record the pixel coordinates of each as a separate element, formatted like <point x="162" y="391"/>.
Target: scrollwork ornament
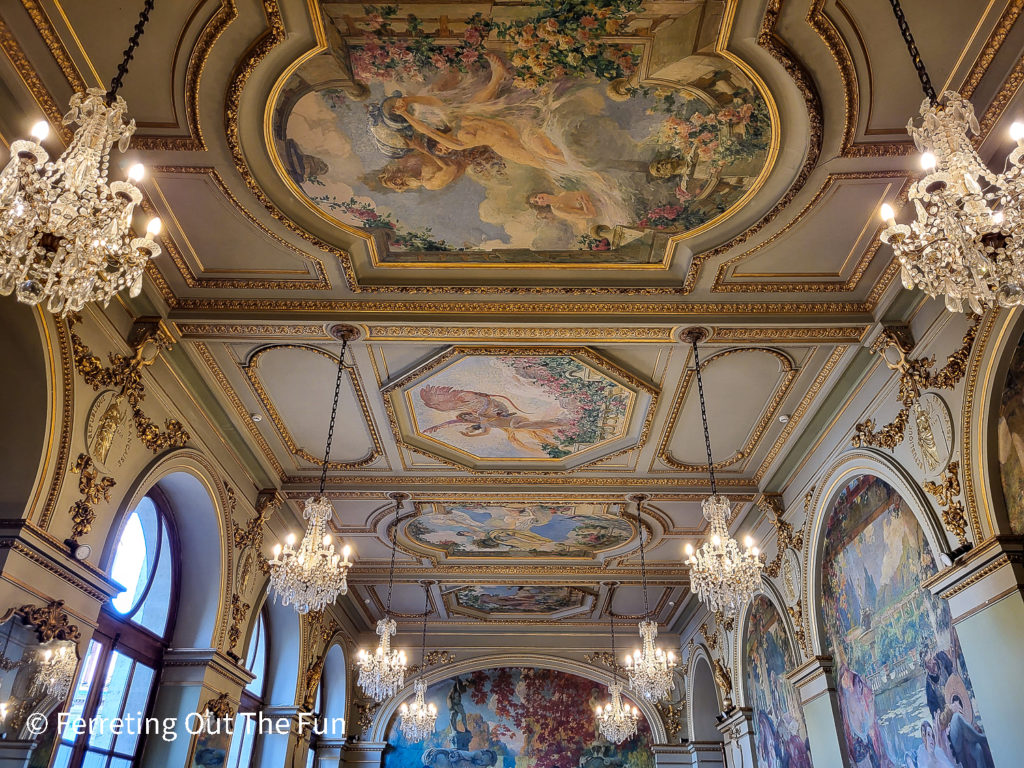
<point x="671" y="713"/>
<point x="945" y="493"/>
<point x="219" y="707"/>
<point x="94" y="488"/>
<point x="50" y="622"/>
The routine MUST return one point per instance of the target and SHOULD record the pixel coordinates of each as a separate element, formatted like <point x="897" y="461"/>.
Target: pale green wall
<point x="993" y="644"/>
<point x="822" y="734"/>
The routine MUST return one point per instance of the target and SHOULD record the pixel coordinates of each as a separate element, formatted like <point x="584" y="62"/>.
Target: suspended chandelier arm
<point x="915" y="55"/>
<point x="704" y="417"/>
<point x="129" y="52"/>
<point x="334" y="415"/>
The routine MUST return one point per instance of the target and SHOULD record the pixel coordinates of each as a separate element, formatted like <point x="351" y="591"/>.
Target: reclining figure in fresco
<point x="459" y="758"/>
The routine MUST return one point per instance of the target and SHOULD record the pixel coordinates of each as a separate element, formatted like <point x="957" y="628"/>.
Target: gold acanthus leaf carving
<point x="785" y="536"/>
<point x="94" y="489"/>
<point x="915" y="376"/>
<point x="219" y="707"/>
<point x="796" y="613"/>
<point x="50" y="622"/>
<point x="239" y="610"/>
<point x="251" y="536"/>
<point x="671" y="713"/>
<point x="945" y="493"/>
<point x="148" y="338"/>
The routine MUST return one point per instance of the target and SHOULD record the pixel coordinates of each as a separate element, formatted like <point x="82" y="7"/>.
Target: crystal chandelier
<point x="312" y="576"/>
<point x="419" y="717"/>
<point x="55" y="671"/>
<point x="616" y="721"/>
<point x="382" y="673"/>
<point x="967" y="238"/>
<point x="65" y="230"/>
<point x="650" y="668"/>
<point x="723" y="577"/>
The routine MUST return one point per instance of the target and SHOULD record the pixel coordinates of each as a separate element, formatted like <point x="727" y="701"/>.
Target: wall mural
<point x="519" y="406"/>
<point x="1011" y="440"/>
<point x="781" y="736"/>
<point x="479" y="530"/>
<point x="905" y="695"/>
<point x="517" y="718"/>
<point x="495" y="599"/>
<point x="578" y="131"/>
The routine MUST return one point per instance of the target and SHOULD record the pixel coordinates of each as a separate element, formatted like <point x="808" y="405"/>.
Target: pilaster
<point x="364" y="754"/>
<point x="985" y="594"/>
<point x="738" y="729"/>
<point x="815" y="685"/>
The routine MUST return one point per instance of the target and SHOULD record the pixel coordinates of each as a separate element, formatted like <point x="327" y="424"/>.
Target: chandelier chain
<point x="611" y="627"/>
<point x="915" y="55"/>
<point x="704" y="417"/>
<point x="334" y="416"/>
<point x="129" y="52"/>
<point x="643" y="560"/>
<point x="423" y="637"/>
<point x="394" y="539"/>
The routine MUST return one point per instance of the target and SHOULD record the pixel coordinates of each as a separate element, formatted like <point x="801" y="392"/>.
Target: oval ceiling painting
<point x="574" y="132"/>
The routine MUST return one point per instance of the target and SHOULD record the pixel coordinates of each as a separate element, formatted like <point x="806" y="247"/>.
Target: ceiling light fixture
<point x="65" y="231"/>
<point x="312" y="576"/>
<point x="382" y="674"/>
<point x="650" y="669"/>
<point x="615" y="720"/>
<point x="723" y="577"/>
<point x="967" y="238"/>
<point x="418" y="718"/>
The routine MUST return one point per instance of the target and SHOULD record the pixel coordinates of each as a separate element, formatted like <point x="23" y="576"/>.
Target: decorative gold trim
<point x="149" y="338"/>
<point x="952" y="510"/>
<point x="229" y="391"/>
<point x="492" y="334"/>
<point x="262" y="331"/>
<point x="785" y="536"/>
<point x="66" y="416"/>
<point x="192" y="280"/>
<point x="767" y="415"/>
<point x="51" y="621"/>
<point x="16" y="55"/>
<point x="915" y="375"/>
<point x="532" y="478"/>
<point x="94" y="488"/>
<point x="239" y="611"/>
<point x="250" y="369"/>
<point x="970" y="390"/>
<point x="988" y="52"/>
<point x="737" y="285"/>
<point x="52" y="40"/>
<point x="220" y="707"/>
<point x="841" y="335"/>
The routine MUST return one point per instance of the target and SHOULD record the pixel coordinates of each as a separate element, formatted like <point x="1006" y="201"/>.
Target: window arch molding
<point x="830" y="483"/>
<point x="197" y="503"/>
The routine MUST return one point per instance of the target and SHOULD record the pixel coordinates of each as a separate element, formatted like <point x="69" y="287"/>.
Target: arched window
<point x="243" y="739"/>
<point x="118" y="675"/>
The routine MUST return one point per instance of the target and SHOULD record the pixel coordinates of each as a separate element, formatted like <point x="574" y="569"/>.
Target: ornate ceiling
<point x="519" y="226"/>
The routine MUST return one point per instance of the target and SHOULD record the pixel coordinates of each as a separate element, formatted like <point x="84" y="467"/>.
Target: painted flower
<point x="588" y="22"/>
<point x="574" y="58"/>
<point x="551" y="24"/>
<point x="472" y="35"/>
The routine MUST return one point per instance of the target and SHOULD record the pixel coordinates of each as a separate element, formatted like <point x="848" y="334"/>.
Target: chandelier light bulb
<point x="688" y="548"/>
<point x="888" y="214"/>
<point x="136" y="172"/>
<point x="998" y="217"/>
<point x="40" y="131"/>
<point x="346" y="551"/>
<point x="748" y="542"/>
<point x="716" y="540"/>
<point x="927" y="161"/>
<point x="1017" y="131"/>
<point x="290" y="539"/>
<point x="154" y="227"/>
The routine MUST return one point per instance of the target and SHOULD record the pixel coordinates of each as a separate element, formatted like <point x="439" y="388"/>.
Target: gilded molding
<point x="451" y="333"/>
<point x="220" y="707"/>
<point x="970" y="391"/>
<point x="991" y="48"/>
<point x="263" y="331"/>
<point x="250" y="369"/>
<point x="799" y="335"/>
<point x="239" y="612"/>
<point x="149" y="338"/>
<point x="837" y="286"/>
<point x="51" y="621"/>
<point x="1001" y="561"/>
<point x="785" y="536"/>
<point x="94" y="488"/>
<point x="527" y="478"/>
<point x="67" y="419"/>
<point x="796" y="613"/>
<point x="16" y="55"/>
<point x="945" y="493"/>
<point x="671" y="713"/>
<point x="767" y="414"/>
<point x="915" y="375"/>
<point x="60" y="54"/>
<point x="225" y="386"/>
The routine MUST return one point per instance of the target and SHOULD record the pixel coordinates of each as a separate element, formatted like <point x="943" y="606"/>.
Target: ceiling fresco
<point x="582" y="132"/>
<point x="494" y="600"/>
<point x="525" y="530"/>
<point x="499" y="407"/>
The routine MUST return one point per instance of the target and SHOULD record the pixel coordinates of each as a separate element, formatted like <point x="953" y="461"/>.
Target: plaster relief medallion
<point x="246" y="569"/>
<point x="105" y="436"/>
<point x="790" y="576"/>
<point x="930" y="430"/>
<point x="545" y="132"/>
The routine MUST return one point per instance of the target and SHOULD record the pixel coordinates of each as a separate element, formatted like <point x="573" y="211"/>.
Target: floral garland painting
<point x="517" y="718"/>
<point x="904" y="692"/>
<point x="520" y="407"/>
<point x="579" y="129"/>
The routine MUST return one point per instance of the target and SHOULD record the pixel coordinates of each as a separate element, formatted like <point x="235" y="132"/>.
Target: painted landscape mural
<point x="578" y="130"/>
<point x="905" y="695"/>
<point x="1011" y="440"/>
<point x="519" y="406"/>
<point x="517" y="718"/>
<point x="780" y="733"/>
<point x="495" y="599"/>
<point x="482" y="530"/>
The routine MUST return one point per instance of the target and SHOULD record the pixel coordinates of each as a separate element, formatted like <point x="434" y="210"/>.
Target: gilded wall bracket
<point x="945" y="493"/>
<point x="785" y="536"/>
<point x="147" y="339"/>
<point x="94" y="488"/>
<point x="916" y="375"/>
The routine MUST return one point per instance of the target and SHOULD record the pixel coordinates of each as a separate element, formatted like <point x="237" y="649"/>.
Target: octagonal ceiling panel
<point x="487" y="408"/>
<point x="545" y="133"/>
<point x="511" y="530"/>
<point x="540" y="601"/>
